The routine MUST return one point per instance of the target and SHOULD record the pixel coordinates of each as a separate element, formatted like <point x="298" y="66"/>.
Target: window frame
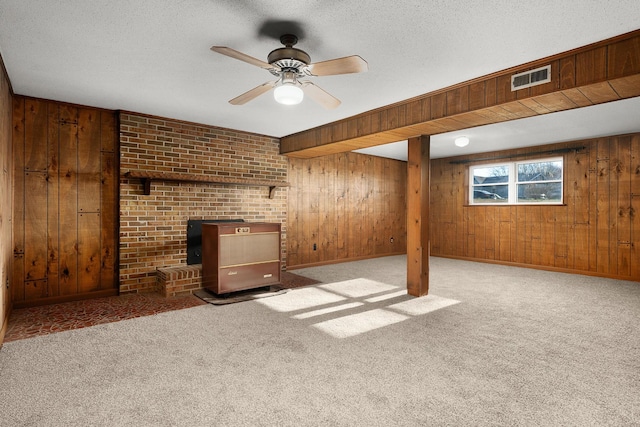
<point x="513" y="183"/>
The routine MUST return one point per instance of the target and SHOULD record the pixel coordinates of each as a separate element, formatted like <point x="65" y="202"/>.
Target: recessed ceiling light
<point x="461" y="141"/>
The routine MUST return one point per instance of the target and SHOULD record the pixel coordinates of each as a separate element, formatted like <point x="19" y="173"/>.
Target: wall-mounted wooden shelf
<point x="148" y="177"/>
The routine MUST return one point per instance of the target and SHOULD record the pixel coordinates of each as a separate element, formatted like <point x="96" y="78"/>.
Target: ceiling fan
<point x="290" y="64"/>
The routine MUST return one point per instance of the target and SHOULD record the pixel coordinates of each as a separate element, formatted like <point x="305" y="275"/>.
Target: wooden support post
<point x="418" y="181"/>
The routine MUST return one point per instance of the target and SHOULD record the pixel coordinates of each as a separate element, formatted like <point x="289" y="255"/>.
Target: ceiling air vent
<point x="531" y="78"/>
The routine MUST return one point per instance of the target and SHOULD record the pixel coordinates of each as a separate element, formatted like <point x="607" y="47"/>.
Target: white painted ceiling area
<point x="154" y="57"/>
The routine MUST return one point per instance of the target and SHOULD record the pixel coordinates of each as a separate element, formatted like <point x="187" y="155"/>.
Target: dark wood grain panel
<point x="635" y="205"/>
<point x="438" y="105"/>
<point x="109" y="219"/>
<point x="294" y="201"/>
<point x="89" y="252"/>
<point x="605" y="252"/>
<point x="53" y="201"/>
<point x="108" y="132"/>
<point x="477" y="95"/>
<point x="68" y="244"/>
<point x="35" y="289"/>
<point x="505" y="226"/>
<point x="35" y="226"/>
<point x="591" y="66"/>
<point x="457" y="100"/>
<point x="560" y="243"/>
<point x="341" y="196"/>
<point x="621" y="164"/>
<point x="35" y="139"/>
<point x="623" y="58"/>
<point x="19" y="195"/>
<point x="567" y="72"/>
<point x="503" y="90"/>
<point x="88" y="158"/>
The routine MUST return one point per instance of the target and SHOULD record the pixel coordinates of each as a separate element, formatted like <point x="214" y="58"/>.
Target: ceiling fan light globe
<point x="288" y="94"/>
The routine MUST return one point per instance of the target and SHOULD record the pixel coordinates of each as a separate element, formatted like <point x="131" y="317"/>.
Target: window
<point x="521" y="182"/>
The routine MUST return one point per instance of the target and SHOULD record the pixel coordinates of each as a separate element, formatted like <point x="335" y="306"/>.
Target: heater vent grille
<point x="531" y="78"/>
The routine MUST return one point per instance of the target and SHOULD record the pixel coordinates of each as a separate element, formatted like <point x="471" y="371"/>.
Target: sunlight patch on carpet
<point x="301" y="299"/>
<point x="327" y="310"/>
<point x="357" y="288"/>
<point x="352" y="307"/>
<point x="355" y="324"/>
<point x="387" y="296"/>
<point x="422" y="305"/>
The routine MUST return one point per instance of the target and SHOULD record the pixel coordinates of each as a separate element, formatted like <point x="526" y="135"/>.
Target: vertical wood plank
<point x="623" y="58"/>
<point x="68" y="141"/>
<point x="35" y="135"/>
<point x="603" y="211"/>
<point x="89" y="169"/>
<point x="109" y="221"/>
<point x="561" y="237"/>
<point x="579" y="204"/>
<point x="18" y="136"/>
<point x="593" y="203"/>
<point x="88" y="251"/>
<point x="35" y="228"/>
<point x="355" y="185"/>
<point x="621" y="172"/>
<point x="479" y="229"/>
<point x="438" y="106"/>
<point x="293" y="212"/>
<point x="53" y="202"/>
<point x="342" y="217"/>
<point x="477" y="96"/>
<point x="591" y="66"/>
<point x="366" y="211"/>
<point x="520" y="249"/>
<point x="504" y="231"/>
<point x="418" y="187"/>
<point x="635" y="206"/>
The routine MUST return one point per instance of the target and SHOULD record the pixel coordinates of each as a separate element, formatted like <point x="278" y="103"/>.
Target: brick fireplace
<point x="153" y="226"/>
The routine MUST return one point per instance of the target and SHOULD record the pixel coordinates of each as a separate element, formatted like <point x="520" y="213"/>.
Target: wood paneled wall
<point x="350" y="206"/>
<point x="6" y="183"/>
<point x="65" y="202"/>
<point x="596" y="231"/>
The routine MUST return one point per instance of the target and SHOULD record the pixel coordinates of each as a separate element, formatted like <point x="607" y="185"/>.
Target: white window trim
<point x="513" y="183"/>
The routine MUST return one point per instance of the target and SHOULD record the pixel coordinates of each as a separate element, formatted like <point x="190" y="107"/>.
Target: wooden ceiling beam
<point x="601" y="72"/>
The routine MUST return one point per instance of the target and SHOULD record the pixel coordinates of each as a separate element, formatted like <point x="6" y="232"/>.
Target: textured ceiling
<point x="153" y="56"/>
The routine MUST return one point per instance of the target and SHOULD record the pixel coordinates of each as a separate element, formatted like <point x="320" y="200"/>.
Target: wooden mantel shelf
<point x="147" y="177"/>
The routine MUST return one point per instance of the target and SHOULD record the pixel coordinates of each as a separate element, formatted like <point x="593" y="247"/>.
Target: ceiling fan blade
<point x="320" y="96"/>
<point x="346" y="65"/>
<point x="242" y="57"/>
<point x="253" y="93"/>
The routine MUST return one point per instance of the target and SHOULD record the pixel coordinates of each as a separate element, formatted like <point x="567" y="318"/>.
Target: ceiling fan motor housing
<point x="289" y="58"/>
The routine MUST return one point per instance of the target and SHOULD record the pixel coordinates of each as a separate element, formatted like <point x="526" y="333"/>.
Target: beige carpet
<point x="490" y="346"/>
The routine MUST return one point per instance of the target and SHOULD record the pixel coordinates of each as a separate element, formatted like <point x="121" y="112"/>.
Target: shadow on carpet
<point x="287" y="281"/>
